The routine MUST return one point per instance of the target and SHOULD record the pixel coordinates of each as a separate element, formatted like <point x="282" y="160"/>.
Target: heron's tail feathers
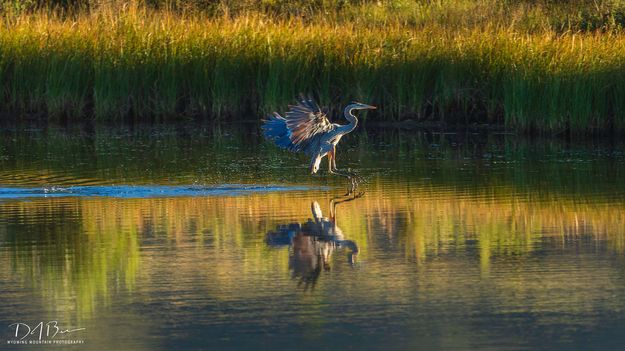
<point x="275" y="129"/>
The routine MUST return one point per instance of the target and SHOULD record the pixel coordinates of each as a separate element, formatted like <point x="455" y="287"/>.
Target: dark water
<point x="176" y="238"/>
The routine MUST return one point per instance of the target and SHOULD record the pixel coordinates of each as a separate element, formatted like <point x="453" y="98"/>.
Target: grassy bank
<point x="529" y="66"/>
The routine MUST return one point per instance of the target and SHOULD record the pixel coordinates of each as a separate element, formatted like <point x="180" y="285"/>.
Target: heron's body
<point x="304" y="128"/>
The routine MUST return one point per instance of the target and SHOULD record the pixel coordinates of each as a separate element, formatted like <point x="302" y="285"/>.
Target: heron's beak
<point x="369" y="107"/>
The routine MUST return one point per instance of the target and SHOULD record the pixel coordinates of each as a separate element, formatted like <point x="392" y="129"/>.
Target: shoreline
<point x="253" y="126"/>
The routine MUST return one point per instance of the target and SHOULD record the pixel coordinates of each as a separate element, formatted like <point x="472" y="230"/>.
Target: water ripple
<point x="147" y="191"/>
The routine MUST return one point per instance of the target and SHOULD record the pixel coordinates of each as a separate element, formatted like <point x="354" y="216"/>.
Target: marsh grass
<point x="441" y="61"/>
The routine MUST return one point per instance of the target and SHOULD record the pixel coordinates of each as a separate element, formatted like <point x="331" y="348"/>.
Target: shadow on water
<point x="311" y="244"/>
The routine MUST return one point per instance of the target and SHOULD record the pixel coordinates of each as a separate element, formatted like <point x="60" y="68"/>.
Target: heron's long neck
<point x="353" y="121"/>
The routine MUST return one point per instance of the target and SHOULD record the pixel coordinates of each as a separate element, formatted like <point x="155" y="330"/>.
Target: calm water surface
<point x="168" y="238"/>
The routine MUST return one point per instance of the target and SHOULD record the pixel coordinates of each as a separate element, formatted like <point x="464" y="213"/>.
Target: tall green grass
<point x="423" y="62"/>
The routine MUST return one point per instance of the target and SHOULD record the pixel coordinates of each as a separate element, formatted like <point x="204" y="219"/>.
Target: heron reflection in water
<point x="305" y="128"/>
<point x="313" y="243"/>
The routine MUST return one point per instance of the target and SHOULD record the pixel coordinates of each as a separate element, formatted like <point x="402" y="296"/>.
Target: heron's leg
<point x="353" y="178"/>
<point x="348" y="173"/>
<point x="332" y="165"/>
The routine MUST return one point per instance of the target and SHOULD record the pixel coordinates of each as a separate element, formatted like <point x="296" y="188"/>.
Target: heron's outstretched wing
<point x="306" y="124"/>
<point x="274" y="128"/>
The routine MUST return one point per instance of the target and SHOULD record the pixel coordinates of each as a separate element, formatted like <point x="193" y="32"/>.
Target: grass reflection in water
<point x="495" y="229"/>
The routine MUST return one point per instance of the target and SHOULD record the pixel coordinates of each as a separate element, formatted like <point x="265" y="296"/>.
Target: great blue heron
<point x="305" y="128"/>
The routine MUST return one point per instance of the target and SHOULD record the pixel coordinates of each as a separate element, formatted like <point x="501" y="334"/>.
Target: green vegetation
<point x="533" y="65"/>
